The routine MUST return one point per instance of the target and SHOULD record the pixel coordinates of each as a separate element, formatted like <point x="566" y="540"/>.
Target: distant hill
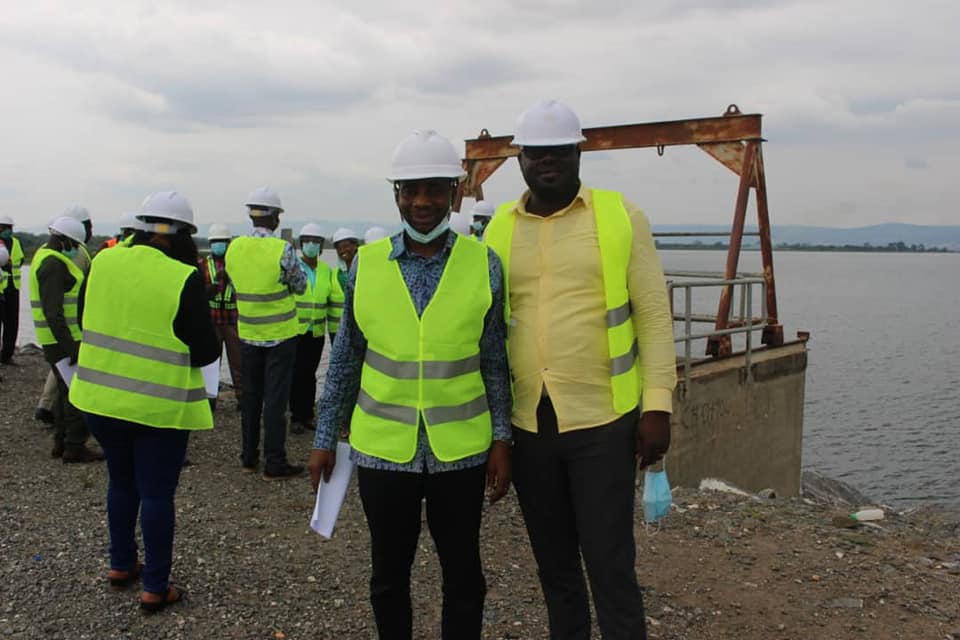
<point x="947" y="236"/>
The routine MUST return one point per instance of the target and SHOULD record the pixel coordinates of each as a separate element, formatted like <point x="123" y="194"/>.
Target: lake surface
<point x="882" y="405"/>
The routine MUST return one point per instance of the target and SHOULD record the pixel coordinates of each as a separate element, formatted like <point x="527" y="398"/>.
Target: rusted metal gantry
<point x="733" y="139"/>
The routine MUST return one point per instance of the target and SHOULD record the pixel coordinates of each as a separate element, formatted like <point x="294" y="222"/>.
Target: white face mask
<point x="425" y="238"/>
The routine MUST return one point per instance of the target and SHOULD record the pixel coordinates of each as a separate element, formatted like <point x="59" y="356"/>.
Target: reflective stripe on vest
<point x="225" y="299"/>
<point x="16" y="261"/>
<point x="71" y="298"/>
<point x="266" y="310"/>
<point x="132" y="366"/>
<point x="422" y="368"/>
<point x="615" y="238"/>
<point x="335" y="304"/>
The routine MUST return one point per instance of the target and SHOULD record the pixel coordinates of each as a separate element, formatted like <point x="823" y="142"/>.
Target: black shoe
<point x="282" y="472"/>
<point x="43" y="415"/>
<point x="249" y="467"/>
<point x="57" y="451"/>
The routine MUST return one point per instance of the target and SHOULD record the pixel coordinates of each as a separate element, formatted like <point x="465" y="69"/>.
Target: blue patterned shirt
<point x="422" y="275"/>
<point x="291" y="274"/>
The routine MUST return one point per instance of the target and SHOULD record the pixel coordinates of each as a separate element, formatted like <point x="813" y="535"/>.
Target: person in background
<point x="223" y="304"/>
<point x="312" y="313"/>
<point x="56" y="286"/>
<point x="373" y="234"/>
<point x="128" y="224"/>
<point x="593" y="364"/>
<point x="267" y="276"/>
<point x="146" y="335"/>
<point x="345" y="243"/>
<point x="10" y="318"/>
<point x="48" y="395"/>
<point x="421" y="363"/>
<point x="4" y="259"/>
<point x="482" y="212"/>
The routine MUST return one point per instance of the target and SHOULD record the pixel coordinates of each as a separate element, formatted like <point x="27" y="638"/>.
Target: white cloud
<point x="113" y="100"/>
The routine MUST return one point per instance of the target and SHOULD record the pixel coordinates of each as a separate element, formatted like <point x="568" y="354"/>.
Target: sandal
<point x="172" y="596"/>
<point x="123" y="579"/>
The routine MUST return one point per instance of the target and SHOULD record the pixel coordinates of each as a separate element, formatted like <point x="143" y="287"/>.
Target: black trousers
<point x="303" y="388"/>
<point x="392" y="502"/>
<point x="576" y="491"/>
<point x="266" y="373"/>
<point x="9" y="320"/>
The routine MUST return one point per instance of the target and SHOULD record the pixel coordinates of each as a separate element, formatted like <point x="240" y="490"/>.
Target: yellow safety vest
<point x="16" y="261"/>
<point x="422" y="368"/>
<point x="615" y="236"/>
<point x="312" y="303"/>
<point x="335" y="305"/>
<point x="266" y="310"/>
<point x="227" y="299"/>
<point x="71" y="298"/>
<point x="132" y="366"/>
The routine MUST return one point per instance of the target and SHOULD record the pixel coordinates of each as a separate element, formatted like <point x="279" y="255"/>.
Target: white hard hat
<point x="69" y="227"/>
<point x="373" y="234"/>
<point x="264" y="197"/>
<point x="547" y="124"/>
<point x="77" y="212"/>
<point x="5" y="219"/>
<point x="128" y="220"/>
<point x="166" y="205"/>
<point x="4" y="254"/>
<point x="460" y="223"/>
<point x="483" y="209"/>
<point x="425" y="154"/>
<point x="312" y="230"/>
<point x="344" y="233"/>
<point x="219" y="231"/>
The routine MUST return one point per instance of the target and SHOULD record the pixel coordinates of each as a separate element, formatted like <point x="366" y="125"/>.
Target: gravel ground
<point x="721" y="566"/>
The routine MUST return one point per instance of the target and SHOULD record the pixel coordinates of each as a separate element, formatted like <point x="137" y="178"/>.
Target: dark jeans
<point x="9" y="320"/>
<point x="144" y="468"/>
<point x="68" y="424"/>
<point x="266" y="373"/>
<point x="576" y="491"/>
<point x="392" y="502"/>
<point x="303" y="388"/>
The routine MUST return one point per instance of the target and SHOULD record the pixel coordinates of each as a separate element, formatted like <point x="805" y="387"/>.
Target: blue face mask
<point x="71" y="252"/>
<point x="218" y="249"/>
<point x="310" y="249"/>
<point x="6" y="234"/>
<point x="425" y="238"/>
<point x="657" y="496"/>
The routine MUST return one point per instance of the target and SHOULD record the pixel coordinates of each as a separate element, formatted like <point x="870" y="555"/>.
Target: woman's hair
<point x="181" y="246"/>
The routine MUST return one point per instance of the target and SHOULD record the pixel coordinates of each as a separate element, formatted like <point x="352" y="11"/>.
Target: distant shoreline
<point x="819" y="248"/>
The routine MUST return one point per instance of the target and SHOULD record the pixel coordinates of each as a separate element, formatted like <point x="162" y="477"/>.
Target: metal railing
<point x="743" y="322"/>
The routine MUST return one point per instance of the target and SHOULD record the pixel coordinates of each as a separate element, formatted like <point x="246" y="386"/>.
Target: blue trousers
<point x="144" y="469"/>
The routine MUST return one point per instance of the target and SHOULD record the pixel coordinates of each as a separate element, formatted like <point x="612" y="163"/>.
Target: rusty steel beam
<point x="729" y="154"/>
<point x="720" y="346"/>
<point x="773" y="332"/>
<point x="731" y="128"/>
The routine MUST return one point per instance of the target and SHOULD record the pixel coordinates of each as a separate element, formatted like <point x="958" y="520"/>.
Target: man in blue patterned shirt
<point x="419" y="370"/>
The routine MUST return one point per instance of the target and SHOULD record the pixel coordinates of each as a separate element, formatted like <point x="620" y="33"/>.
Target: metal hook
<point x="484" y="133"/>
<point x="660" y="150"/>
<point x="732" y="110"/>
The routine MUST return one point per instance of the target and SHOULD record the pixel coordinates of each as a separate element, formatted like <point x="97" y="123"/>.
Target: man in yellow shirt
<point x="592" y="356"/>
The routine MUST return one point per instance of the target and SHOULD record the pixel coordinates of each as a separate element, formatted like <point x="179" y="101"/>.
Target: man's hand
<point x="321" y="465"/>
<point x="653" y="437"/>
<point x="499" y="470"/>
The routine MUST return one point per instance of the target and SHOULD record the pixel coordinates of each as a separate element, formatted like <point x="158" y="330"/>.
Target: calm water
<point x="883" y="381"/>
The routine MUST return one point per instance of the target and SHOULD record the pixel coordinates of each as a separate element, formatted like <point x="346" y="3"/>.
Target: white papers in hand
<point x="211" y="378"/>
<point x="66" y="370"/>
<point x="330" y="495"/>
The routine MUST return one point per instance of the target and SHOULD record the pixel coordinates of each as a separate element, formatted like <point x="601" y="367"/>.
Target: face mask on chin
<point x="6" y="234"/>
<point x="425" y="238"/>
<point x="71" y="252"/>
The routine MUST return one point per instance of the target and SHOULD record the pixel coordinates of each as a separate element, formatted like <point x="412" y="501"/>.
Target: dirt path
<point x="721" y="566"/>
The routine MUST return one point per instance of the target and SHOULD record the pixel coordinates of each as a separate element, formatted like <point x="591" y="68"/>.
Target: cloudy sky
<point x="104" y="102"/>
